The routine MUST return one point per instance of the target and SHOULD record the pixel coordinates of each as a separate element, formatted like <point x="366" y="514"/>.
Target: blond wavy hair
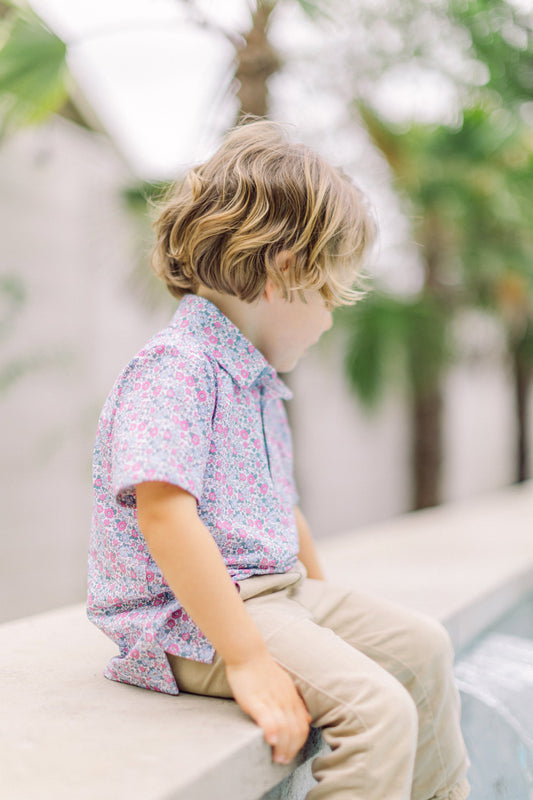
<point x="258" y="196"/>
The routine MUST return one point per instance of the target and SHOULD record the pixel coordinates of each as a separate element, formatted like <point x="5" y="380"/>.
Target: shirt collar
<point x="224" y="342"/>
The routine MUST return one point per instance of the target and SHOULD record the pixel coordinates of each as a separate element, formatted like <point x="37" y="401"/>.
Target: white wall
<point x="65" y="234"/>
<point x="350" y="465"/>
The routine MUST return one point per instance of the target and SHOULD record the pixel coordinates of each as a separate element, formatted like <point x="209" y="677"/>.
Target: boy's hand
<point x="265" y="691"/>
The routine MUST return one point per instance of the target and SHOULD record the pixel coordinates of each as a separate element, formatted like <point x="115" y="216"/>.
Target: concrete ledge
<point x="465" y="563"/>
<point x="66" y="732"/>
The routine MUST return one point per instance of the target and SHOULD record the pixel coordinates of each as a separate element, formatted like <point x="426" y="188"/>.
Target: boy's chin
<point x="287" y="365"/>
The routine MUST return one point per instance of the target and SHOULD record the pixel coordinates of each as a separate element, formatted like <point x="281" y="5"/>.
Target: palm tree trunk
<point x="427" y="448"/>
<point x="428" y="402"/>
<point x="256" y="62"/>
<point x="521" y="377"/>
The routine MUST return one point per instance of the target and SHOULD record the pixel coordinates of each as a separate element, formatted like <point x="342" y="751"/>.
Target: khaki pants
<point x="377" y="678"/>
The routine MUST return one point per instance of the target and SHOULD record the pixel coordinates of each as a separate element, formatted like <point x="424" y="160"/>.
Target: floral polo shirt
<point x="201" y="408"/>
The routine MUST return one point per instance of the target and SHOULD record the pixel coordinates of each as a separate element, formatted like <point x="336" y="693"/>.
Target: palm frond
<point x="33" y="72"/>
<point x="391" y="337"/>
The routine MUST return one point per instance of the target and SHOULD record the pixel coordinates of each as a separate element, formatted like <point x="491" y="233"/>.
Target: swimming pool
<point x="495" y="677"/>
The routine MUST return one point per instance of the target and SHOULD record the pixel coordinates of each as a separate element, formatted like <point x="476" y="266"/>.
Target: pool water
<point x="495" y="678"/>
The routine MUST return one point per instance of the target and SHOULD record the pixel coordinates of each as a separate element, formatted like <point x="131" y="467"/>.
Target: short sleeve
<point x="163" y="421"/>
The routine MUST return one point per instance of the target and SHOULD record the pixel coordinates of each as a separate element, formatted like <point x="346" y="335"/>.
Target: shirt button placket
<point x="262" y="402"/>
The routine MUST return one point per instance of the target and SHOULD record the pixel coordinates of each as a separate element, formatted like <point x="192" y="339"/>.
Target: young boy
<point x="202" y="567"/>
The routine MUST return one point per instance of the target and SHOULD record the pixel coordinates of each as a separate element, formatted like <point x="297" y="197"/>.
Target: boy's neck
<point x="245" y="316"/>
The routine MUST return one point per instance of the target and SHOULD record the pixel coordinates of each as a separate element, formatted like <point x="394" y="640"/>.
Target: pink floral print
<point x="201" y="408"/>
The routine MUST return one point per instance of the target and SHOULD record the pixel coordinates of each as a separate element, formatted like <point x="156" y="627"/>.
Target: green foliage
<point x="315" y="9"/>
<point x="12" y="303"/>
<point x="140" y="196"/>
<point x="502" y="39"/>
<point x="391" y="337"/>
<point x="141" y="200"/>
<point x="15" y="369"/>
<point x="468" y="192"/>
<point x="33" y="72"/>
<point x="12" y="297"/>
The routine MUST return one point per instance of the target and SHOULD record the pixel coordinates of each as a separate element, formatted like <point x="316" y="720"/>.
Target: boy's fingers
<point x="303" y="722"/>
<point x="280" y="732"/>
<point x="270" y="722"/>
<point x="285" y="728"/>
<point x="295" y="736"/>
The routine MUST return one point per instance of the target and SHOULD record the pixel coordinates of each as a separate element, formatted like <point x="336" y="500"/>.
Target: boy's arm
<point x="307" y="554"/>
<point x="193" y="567"/>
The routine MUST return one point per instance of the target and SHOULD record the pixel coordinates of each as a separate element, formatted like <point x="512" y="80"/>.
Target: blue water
<point x="495" y="678"/>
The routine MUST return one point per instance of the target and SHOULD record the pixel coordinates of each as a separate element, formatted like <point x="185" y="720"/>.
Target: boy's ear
<point x="284" y="261"/>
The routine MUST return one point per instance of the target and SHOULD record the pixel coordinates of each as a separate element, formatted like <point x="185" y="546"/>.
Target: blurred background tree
<point x="467" y="189"/>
